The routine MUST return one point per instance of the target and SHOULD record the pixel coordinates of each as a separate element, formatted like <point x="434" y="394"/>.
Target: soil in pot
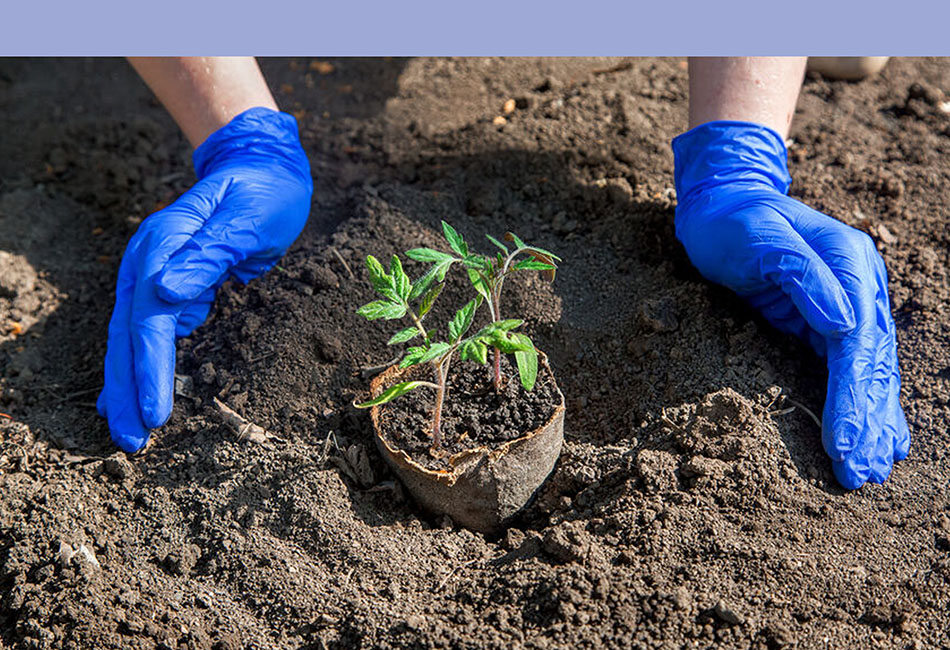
<point x="474" y="415"/>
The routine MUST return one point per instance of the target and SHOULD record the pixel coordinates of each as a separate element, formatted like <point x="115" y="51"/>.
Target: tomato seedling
<point x="401" y="298"/>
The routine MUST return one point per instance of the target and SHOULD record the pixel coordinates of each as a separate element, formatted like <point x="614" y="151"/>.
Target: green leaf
<point x="497" y="243"/>
<point x="508" y="324"/>
<point x="422" y="284"/>
<point x="512" y="237"/>
<point x="479" y="282"/>
<point x="382" y="309"/>
<point x="435" y="273"/>
<point x="392" y="393"/>
<point x="382" y="282"/>
<point x="429" y="299"/>
<point x="399" y="278"/>
<point x="404" y="335"/>
<point x="412" y="357"/>
<point x="473" y="351"/>
<point x="505" y="341"/>
<point x="527" y="361"/>
<point x="533" y="265"/>
<point x="462" y="320"/>
<point x="499" y="326"/>
<point x="456" y="243"/>
<point x="428" y="255"/>
<point x="435" y="351"/>
<point x="479" y="262"/>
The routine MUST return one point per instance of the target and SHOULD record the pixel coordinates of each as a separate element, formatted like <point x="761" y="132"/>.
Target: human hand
<point x="808" y="274"/>
<point x="250" y="203"/>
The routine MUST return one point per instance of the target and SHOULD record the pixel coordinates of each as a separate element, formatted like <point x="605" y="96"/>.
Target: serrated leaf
<point x="392" y="393"/>
<point x="474" y="351"/>
<point x="382" y="281"/>
<point x="428" y="255"/>
<point x="504" y="341"/>
<point x="508" y="324"/>
<point x="527" y="361"/>
<point x="429" y="299"/>
<point x="456" y="243"/>
<point x="497" y="243"/>
<point x="442" y="268"/>
<point x="435" y="351"/>
<point x="533" y="265"/>
<point x="499" y="326"/>
<point x="404" y="335"/>
<point x="382" y="309"/>
<point x="422" y="284"/>
<point x="412" y="356"/>
<point x="479" y="262"/>
<point x="512" y="237"/>
<point x="435" y="273"/>
<point x="400" y="280"/>
<point x="462" y="320"/>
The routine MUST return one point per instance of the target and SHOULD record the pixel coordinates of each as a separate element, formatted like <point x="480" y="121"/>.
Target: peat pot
<point x="484" y="487"/>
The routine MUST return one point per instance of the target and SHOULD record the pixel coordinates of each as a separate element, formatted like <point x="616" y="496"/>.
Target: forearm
<point x="204" y="93"/>
<point x="762" y="90"/>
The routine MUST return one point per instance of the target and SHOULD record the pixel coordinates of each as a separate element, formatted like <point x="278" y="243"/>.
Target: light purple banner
<point x="483" y="27"/>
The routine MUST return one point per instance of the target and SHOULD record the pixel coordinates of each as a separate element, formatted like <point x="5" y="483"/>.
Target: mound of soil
<point x="473" y="415"/>
<point x="693" y="504"/>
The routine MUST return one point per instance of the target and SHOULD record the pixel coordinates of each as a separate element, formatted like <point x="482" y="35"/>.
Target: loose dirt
<point x="692" y="504"/>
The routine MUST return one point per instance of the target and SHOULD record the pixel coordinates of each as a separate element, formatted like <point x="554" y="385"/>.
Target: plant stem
<point x="442" y="372"/>
<point x="497" y="379"/>
<point x="496" y="315"/>
<point x="422" y="330"/>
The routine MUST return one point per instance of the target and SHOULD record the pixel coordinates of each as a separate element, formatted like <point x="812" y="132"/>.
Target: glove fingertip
<point x="130" y="443"/>
<point x="902" y="443"/>
<point x="154" y="417"/>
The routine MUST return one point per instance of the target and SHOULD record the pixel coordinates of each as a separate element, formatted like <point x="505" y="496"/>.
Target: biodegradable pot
<point x="485" y="486"/>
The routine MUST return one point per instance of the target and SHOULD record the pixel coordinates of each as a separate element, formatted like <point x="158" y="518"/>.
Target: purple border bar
<point x="481" y="27"/>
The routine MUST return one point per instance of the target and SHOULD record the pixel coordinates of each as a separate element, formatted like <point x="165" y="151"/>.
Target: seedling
<point x="402" y="298"/>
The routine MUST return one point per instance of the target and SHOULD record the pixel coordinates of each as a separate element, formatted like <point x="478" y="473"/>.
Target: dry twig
<point x="244" y="429"/>
<point x="343" y="262"/>
<point x="806" y="409"/>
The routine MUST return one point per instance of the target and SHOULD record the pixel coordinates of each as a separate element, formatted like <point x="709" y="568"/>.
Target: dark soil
<point x="692" y="505"/>
<point x="474" y="414"/>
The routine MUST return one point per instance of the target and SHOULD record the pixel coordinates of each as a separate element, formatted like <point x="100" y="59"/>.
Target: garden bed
<point x="692" y="501"/>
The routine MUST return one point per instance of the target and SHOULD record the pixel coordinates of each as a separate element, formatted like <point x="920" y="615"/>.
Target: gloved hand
<point x="807" y="273"/>
<point x="251" y="201"/>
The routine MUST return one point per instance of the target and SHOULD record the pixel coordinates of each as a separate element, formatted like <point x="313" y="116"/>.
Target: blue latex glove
<point x="250" y="203"/>
<point x="807" y="273"/>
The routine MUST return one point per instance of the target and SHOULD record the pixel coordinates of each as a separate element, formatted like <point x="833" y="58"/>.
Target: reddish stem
<point x="442" y="375"/>
<point x="497" y="380"/>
